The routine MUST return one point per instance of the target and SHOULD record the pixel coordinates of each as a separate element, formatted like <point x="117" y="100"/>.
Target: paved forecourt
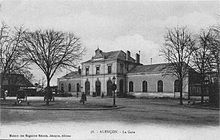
<point x="166" y="111"/>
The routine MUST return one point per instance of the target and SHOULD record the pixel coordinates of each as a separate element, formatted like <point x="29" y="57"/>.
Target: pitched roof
<point x="112" y="55"/>
<point x="73" y="74"/>
<point x="154" y="68"/>
<point x="18" y="80"/>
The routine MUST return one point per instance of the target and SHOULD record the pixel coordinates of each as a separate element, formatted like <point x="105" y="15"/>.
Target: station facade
<point x="95" y="77"/>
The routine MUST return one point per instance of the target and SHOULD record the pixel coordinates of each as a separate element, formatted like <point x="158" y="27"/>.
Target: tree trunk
<point x="202" y="89"/>
<point x="189" y="86"/>
<point x="1" y="86"/>
<point x="202" y="93"/>
<point x="48" y="93"/>
<point x="181" y="91"/>
<point x="9" y="77"/>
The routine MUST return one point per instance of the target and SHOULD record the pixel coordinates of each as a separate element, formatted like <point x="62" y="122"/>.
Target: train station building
<point x="95" y="77"/>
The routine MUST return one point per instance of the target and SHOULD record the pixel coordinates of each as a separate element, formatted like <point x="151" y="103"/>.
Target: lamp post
<point x="114" y="87"/>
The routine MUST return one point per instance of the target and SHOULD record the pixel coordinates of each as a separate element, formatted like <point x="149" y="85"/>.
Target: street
<point x="159" y="111"/>
<point x="136" y="116"/>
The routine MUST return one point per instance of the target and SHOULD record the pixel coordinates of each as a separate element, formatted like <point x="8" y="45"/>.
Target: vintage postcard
<point x="107" y="69"/>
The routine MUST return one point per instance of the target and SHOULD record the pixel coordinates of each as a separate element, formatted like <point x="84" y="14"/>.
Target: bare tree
<point x="40" y="85"/>
<point x="177" y="49"/>
<point x="215" y="52"/>
<point x="202" y="58"/>
<point x="42" y="82"/>
<point x="11" y="54"/>
<point x="52" y="51"/>
<point x="215" y="48"/>
<point x="27" y="74"/>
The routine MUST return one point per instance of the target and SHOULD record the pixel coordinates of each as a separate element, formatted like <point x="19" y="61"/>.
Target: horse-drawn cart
<point x="21" y="96"/>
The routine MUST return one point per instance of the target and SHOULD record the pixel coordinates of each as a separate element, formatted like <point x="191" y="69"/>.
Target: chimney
<point x="137" y="58"/>
<point x="128" y="55"/>
<point x="79" y="70"/>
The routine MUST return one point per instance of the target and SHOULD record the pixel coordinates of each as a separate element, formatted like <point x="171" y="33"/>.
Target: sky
<point x="135" y="25"/>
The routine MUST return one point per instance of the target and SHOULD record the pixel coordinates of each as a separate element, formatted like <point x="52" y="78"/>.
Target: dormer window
<point x="98" y="54"/>
<point x="97" y="69"/>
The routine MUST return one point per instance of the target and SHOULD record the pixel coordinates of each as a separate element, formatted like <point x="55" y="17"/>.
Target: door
<point x="121" y="87"/>
<point x="78" y="87"/>
<point x="109" y="88"/>
<point x="98" y="88"/>
<point x="87" y="87"/>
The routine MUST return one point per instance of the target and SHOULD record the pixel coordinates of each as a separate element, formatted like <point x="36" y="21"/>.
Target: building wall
<point x="124" y="66"/>
<point x="137" y="79"/>
<point x="72" y="81"/>
<point x="152" y="83"/>
<point x="103" y="77"/>
<point x="124" y="85"/>
<point x="119" y="71"/>
<point x="92" y="80"/>
<point x="103" y="67"/>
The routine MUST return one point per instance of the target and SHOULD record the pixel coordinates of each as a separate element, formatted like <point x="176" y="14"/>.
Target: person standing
<point x="83" y="98"/>
<point x="6" y="94"/>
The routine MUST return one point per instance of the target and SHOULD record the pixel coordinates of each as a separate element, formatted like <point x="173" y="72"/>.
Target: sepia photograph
<point x="107" y="69"/>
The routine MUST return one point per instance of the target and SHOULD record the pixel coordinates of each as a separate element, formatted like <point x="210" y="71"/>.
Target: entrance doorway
<point x="121" y="87"/>
<point x="78" y="87"/>
<point x="109" y="88"/>
<point x="98" y="88"/>
<point x="87" y="87"/>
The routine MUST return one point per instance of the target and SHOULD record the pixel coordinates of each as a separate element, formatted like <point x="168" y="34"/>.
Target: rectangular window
<point x="97" y="70"/>
<point x="109" y="69"/>
<point x="87" y="71"/>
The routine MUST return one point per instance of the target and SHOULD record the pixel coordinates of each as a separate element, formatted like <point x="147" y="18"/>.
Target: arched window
<point x="176" y="86"/>
<point x="144" y="86"/>
<point x="62" y="88"/>
<point x="131" y="86"/>
<point x="69" y="87"/>
<point x="160" y="86"/>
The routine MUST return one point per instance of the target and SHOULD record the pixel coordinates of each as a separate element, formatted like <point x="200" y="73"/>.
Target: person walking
<point x="83" y="98"/>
